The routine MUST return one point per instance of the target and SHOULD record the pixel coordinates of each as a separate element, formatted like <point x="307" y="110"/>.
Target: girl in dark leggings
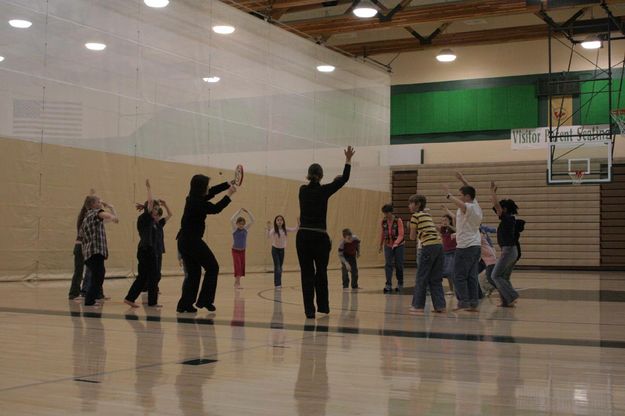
<point x="312" y="241"/>
<point x="193" y="250"/>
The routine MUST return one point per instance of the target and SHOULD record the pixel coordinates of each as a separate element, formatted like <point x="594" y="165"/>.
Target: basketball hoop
<point x="577" y="177"/>
<point x="618" y="115"/>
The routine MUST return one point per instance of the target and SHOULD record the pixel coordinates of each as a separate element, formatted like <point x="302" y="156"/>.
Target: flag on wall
<point x="33" y="119"/>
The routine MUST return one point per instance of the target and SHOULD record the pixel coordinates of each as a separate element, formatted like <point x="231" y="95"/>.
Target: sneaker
<point x="345" y="289"/>
<point x="278" y="287"/>
<point x="398" y="289"/>
<point x="356" y="288"/>
<point x="388" y="289"/>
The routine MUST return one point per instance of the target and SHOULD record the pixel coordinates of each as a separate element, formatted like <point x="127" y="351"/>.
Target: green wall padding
<point x="594" y="107"/>
<point x="464" y="110"/>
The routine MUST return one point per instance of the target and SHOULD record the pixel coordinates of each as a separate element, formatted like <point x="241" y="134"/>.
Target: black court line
<point x="318" y="326"/>
<point x="575" y="295"/>
<point x="544" y="294"/>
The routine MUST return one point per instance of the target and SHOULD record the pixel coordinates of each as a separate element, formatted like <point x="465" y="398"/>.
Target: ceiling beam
<point x="443" y="12"/>
<point x="259" y="5"/>
<point x="480" y="37"/>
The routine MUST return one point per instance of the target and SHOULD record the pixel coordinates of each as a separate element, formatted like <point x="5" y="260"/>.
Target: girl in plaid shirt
<point x="94" y="245"/>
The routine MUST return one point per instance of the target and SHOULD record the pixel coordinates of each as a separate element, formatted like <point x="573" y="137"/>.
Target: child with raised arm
<point x="94" y="245"/>
<point x="239" y="243"/>
<point x="150" y="249"/>
<point x="507" y="239"/>
<point x="430" y="258"/>
<point x="278" y="236"/>
<point x="468" y="243"/>
<point x="349" y="251"/>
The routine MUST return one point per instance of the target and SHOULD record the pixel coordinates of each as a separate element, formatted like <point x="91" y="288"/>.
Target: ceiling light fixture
<point x="446" y="55"/>
<point x="223" y="29"/>
<point x="1" y="58"/>
<point x="20" y="24"/>
<point x="365" y="9"/>
<point x="591" y="42"/>
<point x="211" y="80"/>
<point x="325" y="68"/>
<point x="157" y="4"/>
<point x="95" y="46"/>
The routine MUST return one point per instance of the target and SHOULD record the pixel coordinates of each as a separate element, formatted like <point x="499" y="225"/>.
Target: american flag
<point x="53" y="119"/>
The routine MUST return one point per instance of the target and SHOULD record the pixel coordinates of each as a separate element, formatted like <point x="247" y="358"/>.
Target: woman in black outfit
<point x="194" y="251"/>
<point x="313" y="243"/>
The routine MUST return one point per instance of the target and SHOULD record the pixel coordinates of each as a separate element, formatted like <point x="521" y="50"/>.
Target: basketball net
<point x="618" y="116"/>
<point x="577" y="177"/>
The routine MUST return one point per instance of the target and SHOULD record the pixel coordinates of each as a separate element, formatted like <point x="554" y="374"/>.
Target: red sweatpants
<point x="238" y="258"/>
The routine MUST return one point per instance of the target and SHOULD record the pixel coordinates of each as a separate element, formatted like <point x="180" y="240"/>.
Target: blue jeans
<point x="466" y="281"/>
<point x="501" y="274"/>
<point x="429" y="274"/>
<point x="394" y="257"/>
<point x="277" y="254"/>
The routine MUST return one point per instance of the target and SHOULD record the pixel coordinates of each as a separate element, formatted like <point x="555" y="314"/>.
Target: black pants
<point x="95" y="264"/>
<point x="196" y="255"/>
<point x="147" y="275"/>
<point x="354" y="270"/>
<point x="79" y="267"/>
<point x="159" y="266"/>
<point x="313" y="252"/>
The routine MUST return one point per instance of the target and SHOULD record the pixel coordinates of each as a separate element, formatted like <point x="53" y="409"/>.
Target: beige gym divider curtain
<point x="72" y="119"/>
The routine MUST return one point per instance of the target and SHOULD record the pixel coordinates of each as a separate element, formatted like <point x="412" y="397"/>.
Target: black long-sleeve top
<point x="196" y="209"/>
<point x="313" y="200"/>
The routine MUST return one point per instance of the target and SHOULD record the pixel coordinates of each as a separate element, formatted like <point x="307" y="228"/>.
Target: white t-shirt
<point x="468" y="225"/>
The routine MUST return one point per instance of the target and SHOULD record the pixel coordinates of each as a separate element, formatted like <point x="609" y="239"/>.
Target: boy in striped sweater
<point x="430" y="257"/>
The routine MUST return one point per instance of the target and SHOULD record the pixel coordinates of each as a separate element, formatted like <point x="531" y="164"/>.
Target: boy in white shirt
<point x="468" y="242"/>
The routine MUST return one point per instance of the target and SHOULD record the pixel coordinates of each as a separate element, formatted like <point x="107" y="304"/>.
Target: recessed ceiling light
<point x="365" y="9"/>
<point x="95" y="46"/>
<point x="325" y="68"/>
<point x="223" y="29"/>
<point x="20" y="24"/>
<point x="592" y="42"/>
<point x="1" y="58"/>
<point x="157" y="4"/>
<point x="212" y="80"/>
<point x="446" y="55"/>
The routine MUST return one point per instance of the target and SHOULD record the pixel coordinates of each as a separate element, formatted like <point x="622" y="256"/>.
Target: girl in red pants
<point x="239" y="237"/>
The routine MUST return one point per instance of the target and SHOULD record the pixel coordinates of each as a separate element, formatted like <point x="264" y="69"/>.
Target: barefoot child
<point x="447" y="231"/>
<point x="94" y="245"/>
<point x="430" y="261"/>
<point x="349" y="251"/>
<point x="278" y="235"/>
<point x="392" y="241"/>
<point x="150" y="228"/>
<point x="239" y="237"/>
<point x="507" y="239"/>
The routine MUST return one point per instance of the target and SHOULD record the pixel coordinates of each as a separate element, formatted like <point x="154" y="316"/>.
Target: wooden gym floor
<point x="560" y="352"/>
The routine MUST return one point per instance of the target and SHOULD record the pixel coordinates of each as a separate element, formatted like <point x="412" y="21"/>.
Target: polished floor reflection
<point x="560" y="352"/>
